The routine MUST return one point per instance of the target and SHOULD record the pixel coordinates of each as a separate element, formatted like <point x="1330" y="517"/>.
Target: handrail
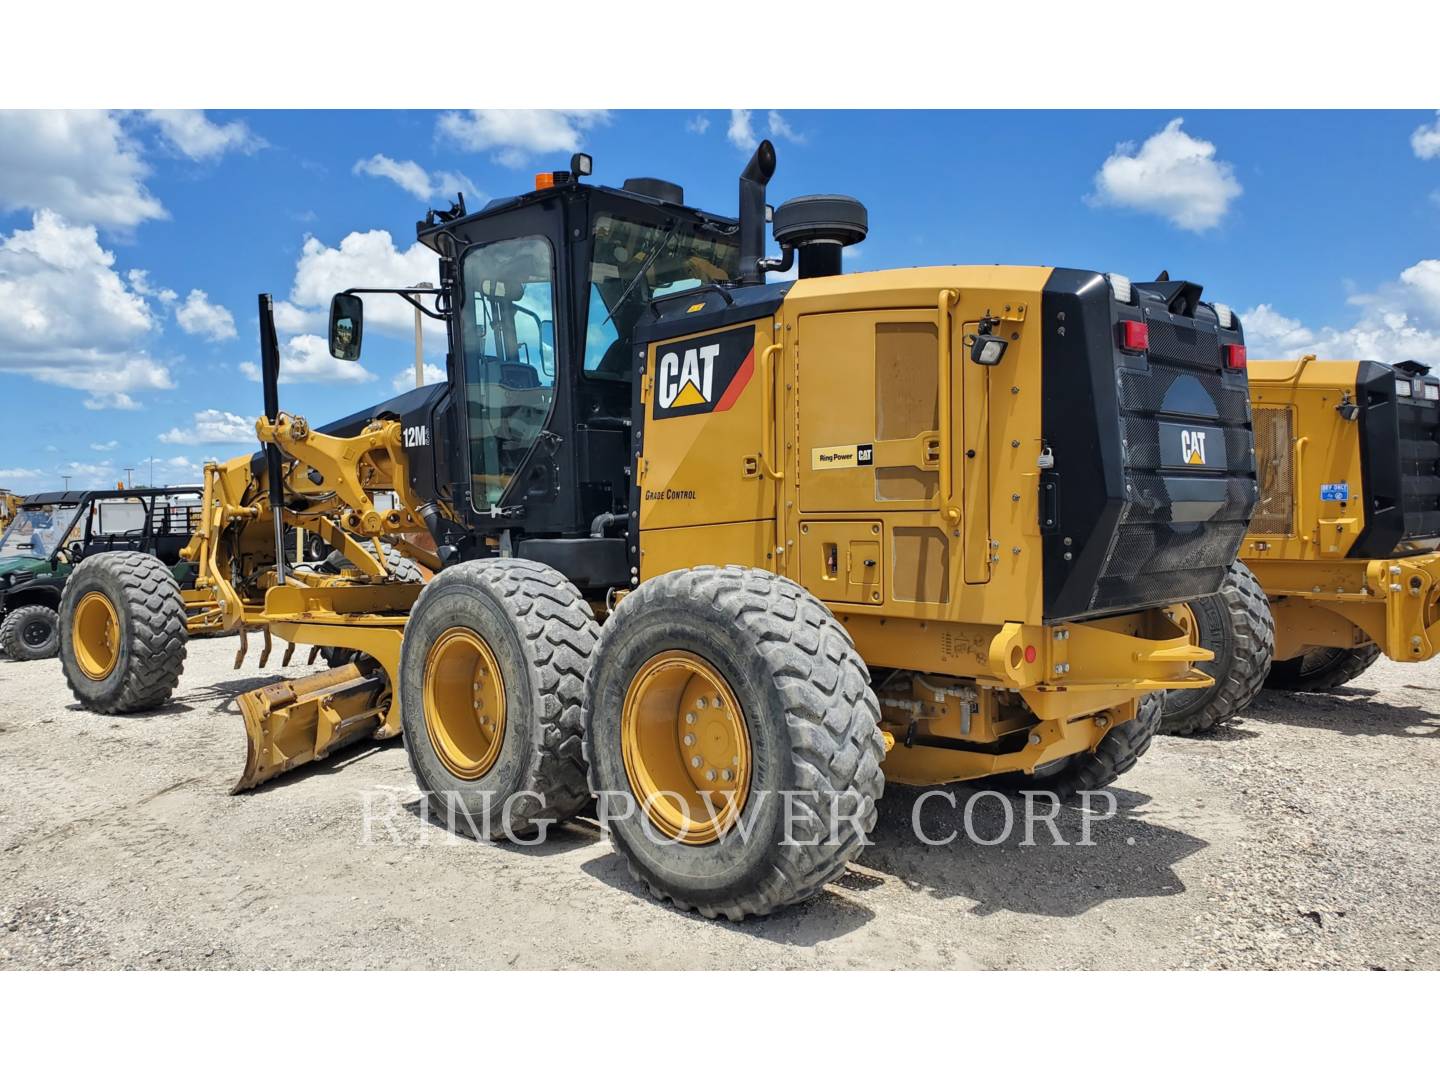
<point x="948" y="510"/>
<point x="1300" y="486"/>
<point x="768" y="413"/>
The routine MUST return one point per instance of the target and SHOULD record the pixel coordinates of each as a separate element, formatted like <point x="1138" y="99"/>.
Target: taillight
<point x="1134" y="336"/>
<point x="1235" y="357"/>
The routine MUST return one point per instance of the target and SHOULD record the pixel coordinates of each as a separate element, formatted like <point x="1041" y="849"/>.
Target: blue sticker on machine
<point x="1335" y="492"/>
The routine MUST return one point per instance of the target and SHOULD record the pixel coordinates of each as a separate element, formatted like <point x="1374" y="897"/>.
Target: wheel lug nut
<point x="727" y="775"/>
<point x="697" y="761"/>
<point x="710" y="775"/>
<point x="718" y="703"/>
<point x="700" y="704"/>
<point x="689" y="718"/>
<point x="689" y="740"/>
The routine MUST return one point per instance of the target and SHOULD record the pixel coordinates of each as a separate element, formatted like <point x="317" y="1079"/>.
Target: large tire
<point x="812" y="733"/>
<point x="30" y="633"/>
<point x="539" y="633"/>
<point x="148" y="643"/>
<point x="1237" y="626"/>
<point x="1322" y="669"/>
<point x="1116" y="755"/>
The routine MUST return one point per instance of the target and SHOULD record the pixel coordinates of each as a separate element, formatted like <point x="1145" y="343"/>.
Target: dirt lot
<point x="1304" y="837"/>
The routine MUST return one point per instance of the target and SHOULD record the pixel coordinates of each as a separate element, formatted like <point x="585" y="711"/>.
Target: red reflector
<point x="1134" y="336"/>
<point x="1235" y="357"/>
<point x="1029" y="654"/>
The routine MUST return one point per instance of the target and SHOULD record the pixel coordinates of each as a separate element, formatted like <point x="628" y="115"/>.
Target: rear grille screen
<point x="1275" y="464"/>
<point x="1419" y="454"/>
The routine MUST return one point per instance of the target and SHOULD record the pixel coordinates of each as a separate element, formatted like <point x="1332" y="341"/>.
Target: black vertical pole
<point x="270" y="380"/>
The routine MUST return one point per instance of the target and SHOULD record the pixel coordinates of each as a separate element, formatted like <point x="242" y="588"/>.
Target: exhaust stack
<point x="753" y="179"/>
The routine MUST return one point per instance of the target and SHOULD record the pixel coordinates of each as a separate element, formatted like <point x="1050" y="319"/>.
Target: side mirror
<point x="347" y="325"/>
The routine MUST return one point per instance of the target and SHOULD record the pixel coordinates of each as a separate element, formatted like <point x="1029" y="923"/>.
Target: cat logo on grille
<point x="1192" y="446"/>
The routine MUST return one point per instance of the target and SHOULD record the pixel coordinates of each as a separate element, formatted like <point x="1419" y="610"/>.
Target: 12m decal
<point x="704" y="374"/>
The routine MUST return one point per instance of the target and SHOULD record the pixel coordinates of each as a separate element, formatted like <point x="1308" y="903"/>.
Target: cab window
<point x="634" y="262"/>
<point x="508" y="334"/>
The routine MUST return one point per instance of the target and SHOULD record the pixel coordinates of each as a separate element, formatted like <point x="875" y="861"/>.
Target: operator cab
<point x="546" y="289"/>
<point x="541" y="293"/>
<point x="548" y="298"/>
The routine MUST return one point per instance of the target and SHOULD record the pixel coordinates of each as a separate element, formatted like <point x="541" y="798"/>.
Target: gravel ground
<point x="1301" y="838"/>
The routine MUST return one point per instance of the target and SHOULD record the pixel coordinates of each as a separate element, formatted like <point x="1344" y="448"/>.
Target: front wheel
<point x="123" y="632"/>
<point x="733" y="740"/>
<point x="492" y="671"/>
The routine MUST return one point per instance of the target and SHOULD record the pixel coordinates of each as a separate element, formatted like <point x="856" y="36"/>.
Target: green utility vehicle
<point x="55" y="530"/>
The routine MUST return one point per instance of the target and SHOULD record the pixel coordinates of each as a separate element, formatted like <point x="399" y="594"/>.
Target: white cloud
<point x="212" y="426"/>
<point x="80" y="164"/>
<point x="780" y="128"/>
<point x="414" y="178"/>
<point x="172" y="470"/>
<point x="741" y="132"/>
<point x="407" y="174"/>
<point x="67" y="317"/>
<point x="200" y="317"/>
<point x="104" y="447"/>
<point x="698" y="124"/>
<point x="140" y="282"/>
<point x="405" y="380"/>
<point x="1425" y="140"/>
<point x="20" y="474"/>
<point x="306" y="358"/>
<point x="199" y="138"/>
<point x="90" y="474"/>
<point x="1424" y="280"/>
<point x="1399" y="321"/>
<point x="517" y="135"/>
<point x="1173" y="175"/>
<point x="290" y="319"/>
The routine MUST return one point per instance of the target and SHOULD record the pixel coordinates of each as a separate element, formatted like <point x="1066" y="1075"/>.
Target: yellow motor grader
<point x="1340" y="564"/>
<point x="723" y="554"/>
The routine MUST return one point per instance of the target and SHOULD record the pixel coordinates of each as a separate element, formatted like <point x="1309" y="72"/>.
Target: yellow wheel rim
<point x="683" y="737"/>
<point x="95" y="634"/>
<point x="464" y="703"/>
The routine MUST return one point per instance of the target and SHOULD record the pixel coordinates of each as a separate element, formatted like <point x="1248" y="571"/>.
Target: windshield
<point x="37" y="532"/>
<point x="672" y="257"/>
<point x="508" y="330"/>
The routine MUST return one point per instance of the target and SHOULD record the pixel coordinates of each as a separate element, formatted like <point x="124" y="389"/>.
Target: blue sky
<point x="132" y="245"/>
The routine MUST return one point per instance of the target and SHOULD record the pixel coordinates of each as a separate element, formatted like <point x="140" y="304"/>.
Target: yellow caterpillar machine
<point x="9" y="506"/>
<point x="717" y="552"/>
<point x="1340" y="563"/>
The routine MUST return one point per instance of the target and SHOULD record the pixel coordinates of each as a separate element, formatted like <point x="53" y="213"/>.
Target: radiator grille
<point x="1178" y="531"/>
<point x="1275" y="464"/>
<point x="1419" y="456"/>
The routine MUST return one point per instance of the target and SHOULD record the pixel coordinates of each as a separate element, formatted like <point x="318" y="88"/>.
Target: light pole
<point x="129" y="473"/>
<point x="65" y="481"/>
<point x="420" y="337"/>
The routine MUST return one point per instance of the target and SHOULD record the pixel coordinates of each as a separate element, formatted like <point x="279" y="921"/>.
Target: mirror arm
<point x="408" y="296"/>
